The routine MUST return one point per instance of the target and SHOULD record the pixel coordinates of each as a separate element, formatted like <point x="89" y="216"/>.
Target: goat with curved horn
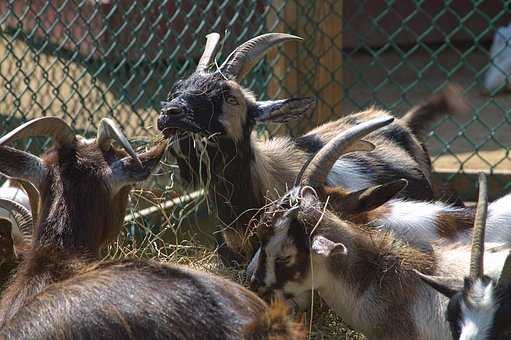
<point x="348" y="141"/>
<point x="210" y="50"/>
<point x="476" y="259"/>
<point x="245" y="56"/>
<point x="109" y="131"/>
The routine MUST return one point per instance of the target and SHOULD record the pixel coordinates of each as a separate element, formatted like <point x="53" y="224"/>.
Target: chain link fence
<point x="84" y="60"/>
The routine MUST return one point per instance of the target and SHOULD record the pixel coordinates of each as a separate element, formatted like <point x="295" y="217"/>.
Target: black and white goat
<point x="244" y="170"/>
<point x="367" y="275"/>
<point x="479" y="306"/>
<point x="63" y="290"/>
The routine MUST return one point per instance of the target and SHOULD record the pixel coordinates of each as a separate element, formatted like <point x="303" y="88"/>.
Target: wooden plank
<point x="328" y="52"/>
<point x="314" y="67"/>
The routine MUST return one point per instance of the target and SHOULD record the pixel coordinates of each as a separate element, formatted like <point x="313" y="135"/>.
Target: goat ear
<point x="324" y="247"/>
<point x="127" y="171"/>
<point x="21" y="165"/>
<point x="447" y="286"/>
<point x="369" y="198"/>
<point x="282" y="111"/>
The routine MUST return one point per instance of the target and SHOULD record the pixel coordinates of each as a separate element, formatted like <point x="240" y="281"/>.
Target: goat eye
<point x="231" y="100"/>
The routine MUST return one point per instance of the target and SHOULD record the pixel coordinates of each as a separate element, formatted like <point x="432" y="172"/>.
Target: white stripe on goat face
<point x="477" y="319"/>
<point x="274" y="249"/>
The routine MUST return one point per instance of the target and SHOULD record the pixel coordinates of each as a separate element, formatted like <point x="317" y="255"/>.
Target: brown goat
<point x="62" y="290"/>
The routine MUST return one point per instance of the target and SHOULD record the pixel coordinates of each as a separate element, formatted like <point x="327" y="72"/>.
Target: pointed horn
<point x="212" y="40"/>
<point x="348" y="141"/>
<point x="21" y="215"/>
<point x="477" y="253"/>
<point x="52" y="127"/>
<point x="109" y="131"/>
<point x="505" y="275"/>
<point x="243" y="58"/>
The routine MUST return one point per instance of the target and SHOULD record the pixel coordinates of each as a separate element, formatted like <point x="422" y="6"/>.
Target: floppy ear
<point x="448" y="286"/>
<point x="366" y="199"/>
<point x="126" y="171"/>
<point x="325" y="247"/>
<point x="282" y="111"/>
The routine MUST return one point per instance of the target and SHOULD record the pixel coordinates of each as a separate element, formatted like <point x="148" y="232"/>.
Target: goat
<point x="365" y="274"/>
<point x="479" y="306"/>
<point x="245" y="170"/>
<point x="61" y="288"/>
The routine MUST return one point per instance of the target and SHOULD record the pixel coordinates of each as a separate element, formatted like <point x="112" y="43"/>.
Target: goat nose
<point x="171" y="109"/>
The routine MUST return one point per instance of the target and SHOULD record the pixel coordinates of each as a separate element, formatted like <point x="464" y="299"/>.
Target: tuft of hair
<point x="275" y="324"/>
<point x="421" y="117"/>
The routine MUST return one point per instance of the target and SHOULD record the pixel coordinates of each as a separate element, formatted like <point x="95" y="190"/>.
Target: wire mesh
<point x="84" y="60"/>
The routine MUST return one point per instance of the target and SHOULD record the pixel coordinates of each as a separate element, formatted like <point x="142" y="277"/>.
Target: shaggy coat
<point x="61" y="288"/>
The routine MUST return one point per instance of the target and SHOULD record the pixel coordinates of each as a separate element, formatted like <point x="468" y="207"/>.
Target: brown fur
<point x="274" y="324"/>
<point x="142" y="299"/>
<point x="79" y="215"/>
<point x="62" y="290"/>
<point x="376" y="263"/>
<point x="450" y="225"/>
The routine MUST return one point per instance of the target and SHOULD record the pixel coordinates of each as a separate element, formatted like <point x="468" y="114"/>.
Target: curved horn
<point x="53" y="127"/>
<point x="109" y="131"/>
<point x="212" y="40"/>
<point x="33" y="198"/>
<point x="477" y="253"/>
<point x="348" y="141"/>
<point x="245" y="56"/>
<point x="21" y="215"/>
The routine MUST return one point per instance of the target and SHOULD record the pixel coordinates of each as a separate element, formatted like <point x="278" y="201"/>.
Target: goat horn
<point x="212" y="40"/>
<point x="21" y="214"/>
<point x="245" y="56"/>
<point x="348" y="141"/>
<point x="53" y="127"/>
<point x="505" y="275"/>
<point x="108" y="131"/>
<point x="33" y="198"/>
<point x="477" y="253"/>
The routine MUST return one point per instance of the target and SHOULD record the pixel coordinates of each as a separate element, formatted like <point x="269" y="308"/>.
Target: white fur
<point x="349" y="176"/>
<point x="477" y="321"/>
<point x="273" y="248"/>
<point x="498" y="225"/>
<point x="454" y="260"/>
<point x="415" y="221"/>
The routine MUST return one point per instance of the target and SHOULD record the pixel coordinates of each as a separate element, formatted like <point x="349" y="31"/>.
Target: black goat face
<point x="208" y="103"/>
<point x="204" y="103"/>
